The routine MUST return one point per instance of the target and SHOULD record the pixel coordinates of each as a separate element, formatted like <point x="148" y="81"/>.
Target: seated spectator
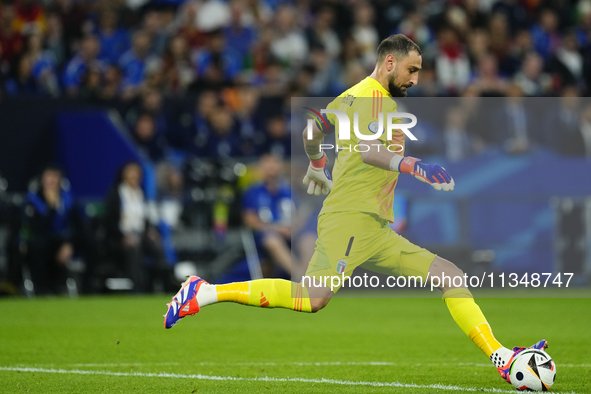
<point x="114" y="39"/>
<point x="133" y="64"/>
<point x="151" y="102"/>
<point x="178" y="69"/>
<point x="91" y="84"/>
<point x="289" y="44"/>
<point x="267" y="210"/>
<point x="321" y="34"/>
<point x="148" y="141"/>
<point x="154" y="25"/>
<point x="456" y="139"/>
<point x="131" y="233"/>
<point x="487" y="80"/>
<point x="76" y="68"/>
<point x="43" y="65"/>
<point x="170" y="195"/>
<point x="567" y="64"/>
<point x="186" y="25"/>
<point x="325" y="82"/>
<point x="222" y="139"/>
<point x="545" y="35"/>
<point x="531" y="79"/>
<point x="515" y="128"/>
<point x="22" y="82"/>
<point x="365" y="33"/>
<point x="251" y="133"/>
<point x="278" y="137"/>
<point x="55" y="41"/>
<point x="239" y="37"/>
<point x="11" y="41"/>
<point x="451" y="63"/>
<point x="218" y="58"/>
<point x="49" y="227"/>
<point x="522" y="46"/>
<point x="565" y="129"/>
<point x="111" y="85"/>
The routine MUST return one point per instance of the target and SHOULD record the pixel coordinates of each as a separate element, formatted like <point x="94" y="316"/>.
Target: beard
<point x="395" y="90"/>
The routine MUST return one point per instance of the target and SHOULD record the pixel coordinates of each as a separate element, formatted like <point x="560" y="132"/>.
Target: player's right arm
<point x="317" y="177"/>
<point x="433" y="174"/>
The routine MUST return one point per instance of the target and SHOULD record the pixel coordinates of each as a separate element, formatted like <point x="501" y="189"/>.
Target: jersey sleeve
<point x="330" y="120"/>
<point x="369" y="110"/>
<point x="249" y="200"/>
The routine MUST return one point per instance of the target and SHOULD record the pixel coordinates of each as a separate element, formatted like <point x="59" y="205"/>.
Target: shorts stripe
<point x="349" y="246"/>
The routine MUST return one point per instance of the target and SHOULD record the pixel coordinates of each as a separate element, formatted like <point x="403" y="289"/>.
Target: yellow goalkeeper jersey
<point x="359" y="186"/>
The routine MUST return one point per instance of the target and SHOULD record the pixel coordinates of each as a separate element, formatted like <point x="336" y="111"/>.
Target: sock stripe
<point x="298" y="301"/>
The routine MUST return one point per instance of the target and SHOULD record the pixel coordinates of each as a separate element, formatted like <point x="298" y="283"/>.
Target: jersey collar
<point x="378" y="86"/>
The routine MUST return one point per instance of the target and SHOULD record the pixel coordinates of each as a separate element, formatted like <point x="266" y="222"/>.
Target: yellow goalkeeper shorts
<point x="347" y="240"/>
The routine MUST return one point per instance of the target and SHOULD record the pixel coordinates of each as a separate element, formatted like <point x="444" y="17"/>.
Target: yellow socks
<point x="266" y="293"/>
<point x="469" y="317"/>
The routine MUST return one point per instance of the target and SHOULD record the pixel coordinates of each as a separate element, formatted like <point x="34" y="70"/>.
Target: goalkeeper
<point x="353" y="223"/>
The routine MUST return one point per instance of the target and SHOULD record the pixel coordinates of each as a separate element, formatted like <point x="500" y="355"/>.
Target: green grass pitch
<point x="355" y="345"/>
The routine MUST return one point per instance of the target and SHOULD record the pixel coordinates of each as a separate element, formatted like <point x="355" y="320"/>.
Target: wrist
<point x="318" y="160"/>
<point x="407" y="165"/>
<point x="395" y="163"/>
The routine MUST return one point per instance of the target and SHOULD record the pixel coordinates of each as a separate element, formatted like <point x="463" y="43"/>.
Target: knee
<point x="317" y="304"/>
<point x="445" y="271"/>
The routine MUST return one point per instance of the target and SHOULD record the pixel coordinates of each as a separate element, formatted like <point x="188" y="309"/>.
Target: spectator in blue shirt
<point x="222" y="139"/>
<point x="239" y="37"/>
<point x="545" y="34"/>
<point x="77" y="66"/>
<point x="133" y="64"/>
<point x="114" y="40"/>
<point x="278" y="141"/>
<point x="22" y="82"/>
<point x="267" y="210"/>
<point x="148" y="141"/>
<point x="218" y="57"/>
<point x="43" y="65"/>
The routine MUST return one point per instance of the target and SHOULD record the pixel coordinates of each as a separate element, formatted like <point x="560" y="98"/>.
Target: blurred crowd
<point x="118" y="49"/>
<point x="213" y="78"/>
<point x="203" y="83"/>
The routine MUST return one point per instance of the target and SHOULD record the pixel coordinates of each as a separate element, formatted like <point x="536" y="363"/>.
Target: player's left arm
<point x="433" y="174"/>
<point x="317" y="177"/>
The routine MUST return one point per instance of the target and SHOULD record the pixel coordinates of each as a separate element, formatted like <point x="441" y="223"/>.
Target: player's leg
<point x="195" y="293"/>
<point x="460" y="302"/>
<point x="469" y="317"/>
<point x="399" y="257"/>
<point x="312" y="294"/>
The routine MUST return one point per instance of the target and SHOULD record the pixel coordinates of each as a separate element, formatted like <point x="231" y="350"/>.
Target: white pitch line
<point x="304" y="364"/>
<point x="260" y="379"/>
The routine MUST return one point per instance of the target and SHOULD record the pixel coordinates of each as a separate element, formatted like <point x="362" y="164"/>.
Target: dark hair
<point x="398" y="45"/>
<point x="53" y="167"/>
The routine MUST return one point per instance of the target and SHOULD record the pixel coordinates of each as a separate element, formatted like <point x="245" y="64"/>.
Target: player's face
<point x="404" y="74"/>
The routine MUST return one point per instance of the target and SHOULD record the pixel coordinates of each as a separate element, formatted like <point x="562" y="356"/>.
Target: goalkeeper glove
<point x="433" y="174"/>
<point x="318" y="178"/>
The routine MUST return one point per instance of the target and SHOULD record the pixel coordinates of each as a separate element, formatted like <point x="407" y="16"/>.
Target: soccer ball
<point x="533" y="370"/>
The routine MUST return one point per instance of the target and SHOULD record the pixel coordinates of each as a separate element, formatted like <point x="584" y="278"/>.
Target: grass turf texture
<point x="416" y="339"/>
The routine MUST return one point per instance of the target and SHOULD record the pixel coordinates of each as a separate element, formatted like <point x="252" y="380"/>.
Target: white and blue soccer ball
<point x="533" y="370"/>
